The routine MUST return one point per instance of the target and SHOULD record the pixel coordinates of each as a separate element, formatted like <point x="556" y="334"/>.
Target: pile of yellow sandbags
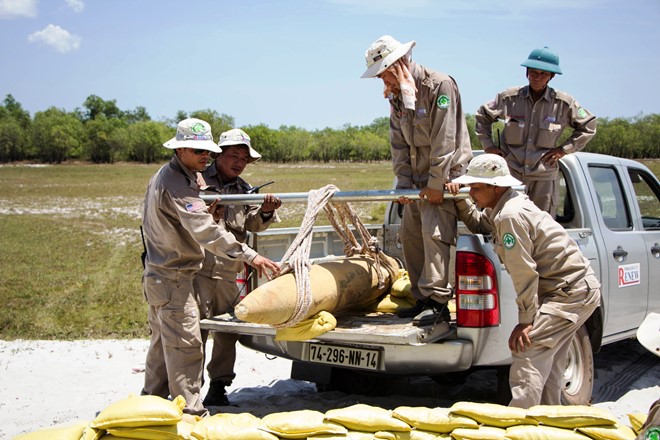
<point x="136" y="417"/>
<point x="153" y="418"/>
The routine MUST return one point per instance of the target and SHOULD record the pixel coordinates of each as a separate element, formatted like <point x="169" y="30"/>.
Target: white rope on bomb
<point x="296" y="257"/>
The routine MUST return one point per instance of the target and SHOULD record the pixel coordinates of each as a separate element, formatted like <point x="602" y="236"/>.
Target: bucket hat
<point x="236" y="136"/>
<point x="193" y="133"/>
<point x="383" y="53"/>
<point x="490" y="169"/>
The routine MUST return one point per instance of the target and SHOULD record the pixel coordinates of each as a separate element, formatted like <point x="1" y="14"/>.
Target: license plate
<point x="344" y="356"/>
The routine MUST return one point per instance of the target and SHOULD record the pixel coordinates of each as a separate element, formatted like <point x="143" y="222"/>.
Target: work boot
<point x="415" y="310"/>
<point x="432" y="315"/>
<point x="217" y="395"/>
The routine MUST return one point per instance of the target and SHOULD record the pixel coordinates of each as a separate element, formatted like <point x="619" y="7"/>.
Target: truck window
<point x="610" y="196"/>
<point x="647" y="194"/>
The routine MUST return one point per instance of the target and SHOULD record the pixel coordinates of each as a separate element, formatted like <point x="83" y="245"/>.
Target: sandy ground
<point x="44" y="383"/>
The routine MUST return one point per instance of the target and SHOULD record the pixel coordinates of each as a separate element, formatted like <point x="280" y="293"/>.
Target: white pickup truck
<point x="610" y="206"/>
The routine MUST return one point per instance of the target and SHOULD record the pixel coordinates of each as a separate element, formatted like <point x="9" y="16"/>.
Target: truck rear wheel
<point x="579" y="372"/>
<point x="578" y="375"/>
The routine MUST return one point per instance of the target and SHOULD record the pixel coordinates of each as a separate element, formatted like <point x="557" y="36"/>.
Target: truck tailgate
<point x="375" y="328"/>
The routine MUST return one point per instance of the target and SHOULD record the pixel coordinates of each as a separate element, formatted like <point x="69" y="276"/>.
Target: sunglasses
<point x="200" y="152"/>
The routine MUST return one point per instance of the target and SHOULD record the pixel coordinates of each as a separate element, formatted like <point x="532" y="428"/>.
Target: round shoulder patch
<point x="443" y="101"/>
<point x="582" y="113"/>
<point x="508" y="240"/>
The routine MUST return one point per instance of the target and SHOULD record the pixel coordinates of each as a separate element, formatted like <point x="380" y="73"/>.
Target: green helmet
<point x="543" y="59"/>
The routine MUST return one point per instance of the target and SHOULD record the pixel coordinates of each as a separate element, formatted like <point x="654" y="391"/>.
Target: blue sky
<point x="298" y="62"/>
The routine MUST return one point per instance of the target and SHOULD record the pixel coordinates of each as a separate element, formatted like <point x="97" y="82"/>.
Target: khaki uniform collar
<point x="176" y="164"/>
<point x="548" y="94"/>
<point x="506" y="196"/>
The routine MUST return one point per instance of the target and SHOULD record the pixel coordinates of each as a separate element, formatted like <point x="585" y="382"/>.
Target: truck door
<point x="624" y="264"/>
<point x="646" y="192"/>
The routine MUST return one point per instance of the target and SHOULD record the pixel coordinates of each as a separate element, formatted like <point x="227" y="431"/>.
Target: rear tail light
<point x="477" y="303"/>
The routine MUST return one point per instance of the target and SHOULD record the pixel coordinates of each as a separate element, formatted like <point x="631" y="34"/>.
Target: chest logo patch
<point x="508" y="240"/>
<point x="443" y="101"/>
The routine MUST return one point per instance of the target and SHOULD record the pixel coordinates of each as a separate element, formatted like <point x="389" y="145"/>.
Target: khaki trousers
<point x="175" y="359"/>
<point x="537" y="374"/>
<point x="427" y="233"/>
<point x="218" y="296"/>
<point x="544" y="193"/>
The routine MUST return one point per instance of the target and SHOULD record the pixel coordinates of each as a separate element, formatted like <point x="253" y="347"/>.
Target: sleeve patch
<point x="508" y="240"/>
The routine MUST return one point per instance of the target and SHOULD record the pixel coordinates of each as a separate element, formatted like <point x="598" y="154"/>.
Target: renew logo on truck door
<point x="629" y="275"/>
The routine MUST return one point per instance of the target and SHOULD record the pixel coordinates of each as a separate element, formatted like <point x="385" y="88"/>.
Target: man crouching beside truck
<point x="556" y="288"/>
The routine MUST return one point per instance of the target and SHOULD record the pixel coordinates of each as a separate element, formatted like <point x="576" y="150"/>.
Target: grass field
<point x="70" y="241"/>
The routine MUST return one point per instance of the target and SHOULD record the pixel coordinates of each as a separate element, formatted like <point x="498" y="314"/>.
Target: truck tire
<point x="503" y="388"/>
<point x="578" y="375"/>
<point x="579" y="372"/>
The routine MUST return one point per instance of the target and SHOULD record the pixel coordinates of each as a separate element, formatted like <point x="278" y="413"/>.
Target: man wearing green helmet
<point x="534" y="117"/>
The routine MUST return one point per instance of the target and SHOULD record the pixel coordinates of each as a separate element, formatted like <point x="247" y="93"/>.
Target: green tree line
<point x="100" y="132"/>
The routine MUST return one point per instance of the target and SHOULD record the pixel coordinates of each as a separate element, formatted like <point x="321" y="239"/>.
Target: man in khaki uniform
<point x="430" y="146"/>
<point x="534" y="118"/>
<point x="215" y="283"/>
<point x="556" y="288"/>
<point x="177" y="227"/>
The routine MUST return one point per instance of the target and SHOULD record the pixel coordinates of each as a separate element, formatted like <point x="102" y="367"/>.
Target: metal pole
<point x="343" y="196"/>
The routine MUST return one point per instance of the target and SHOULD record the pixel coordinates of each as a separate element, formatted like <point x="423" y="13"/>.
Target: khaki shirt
<point x="238" y="219"/>
<point x="543" y="260"/>
<point x="531" y="129"/>
<point x="431" y="144"/>
<point x="177" y="226"/>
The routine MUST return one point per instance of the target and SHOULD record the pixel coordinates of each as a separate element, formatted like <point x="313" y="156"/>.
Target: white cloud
<point x="76" y="5"/>
<point x="55" y="36"/>
<point x="18" y="8"/>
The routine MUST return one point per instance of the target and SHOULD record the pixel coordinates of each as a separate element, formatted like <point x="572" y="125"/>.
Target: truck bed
<point x="368" y="328"/>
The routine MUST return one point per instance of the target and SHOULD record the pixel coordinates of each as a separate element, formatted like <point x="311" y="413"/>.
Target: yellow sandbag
<point x="492" y="414"/>
<point x="299" y="424"/>
<point x="344" y="284"/>
<point x="67" y="431"/>
<point x="309" y="328"/>
<point x="637" y="421"/>
<point x="432" y="419"/>
<point x="616" y="432"/>
<point x="522" y="432"/>
<point x="451" y="305"/>
<point x="571" y="416"/>
<point x="389" y="304"/>
<point x="418" y="434"/>
<point x="361" y="417"/>
<point x="350" y="435"/>
<point x="481" y="433"/>
<point x="401" y="287"/>
<point x="90" y="433"/>
<point x="226" y="426"/>
<point x="415" y="434"/>
<point x="137" y="411"/>
<point x="180" y="431"/>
